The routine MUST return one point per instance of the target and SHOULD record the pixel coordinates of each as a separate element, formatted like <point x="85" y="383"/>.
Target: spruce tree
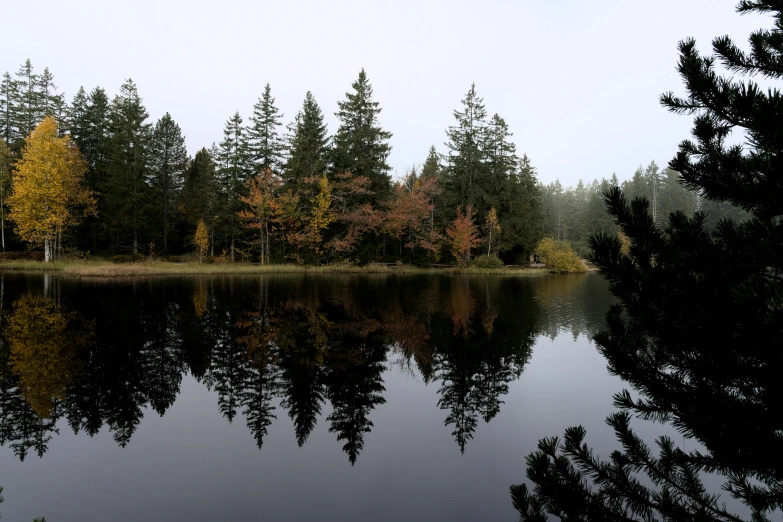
<point x="308" y="143"/>
<point x="265" y="146"/>
<point x="126" y="190"/>
<point x="48" y="101"/>
<point x="466" y="159"/>
<point x="88" y="124"/>
<point x="234" y="169"/>
<point x="696" y="330"/>
<point x="77" y="121"/>
<point x="168" y="159"/>
<point x="522" y="217"/>
<point x="361" y="146"/>
<point x="431" y="167"/>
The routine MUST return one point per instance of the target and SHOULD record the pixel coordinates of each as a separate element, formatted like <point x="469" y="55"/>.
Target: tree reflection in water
<point x="99" y="354"/>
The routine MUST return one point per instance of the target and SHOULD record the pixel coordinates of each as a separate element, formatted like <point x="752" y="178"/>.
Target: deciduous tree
<point x="48" y="192"/>
<point x="201" y="240"/>
<point x="463" y="235"/>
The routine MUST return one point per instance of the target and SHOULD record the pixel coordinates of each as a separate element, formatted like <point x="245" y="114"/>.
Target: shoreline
<point x="107" y="269"/>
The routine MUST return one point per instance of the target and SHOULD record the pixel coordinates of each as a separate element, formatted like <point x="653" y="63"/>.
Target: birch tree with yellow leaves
<point x="48" y="195"/>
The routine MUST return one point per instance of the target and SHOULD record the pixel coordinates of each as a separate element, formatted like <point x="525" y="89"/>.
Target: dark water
<point x="290" y="397"/>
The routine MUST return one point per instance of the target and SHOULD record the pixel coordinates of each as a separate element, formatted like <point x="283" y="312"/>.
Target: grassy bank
<point x="156" y="268"/>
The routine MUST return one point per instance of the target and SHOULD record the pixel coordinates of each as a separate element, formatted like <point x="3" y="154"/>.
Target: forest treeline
<point x="278" y="194"/>
<point x="573" y="214"/>
<point x="295" y="193"/>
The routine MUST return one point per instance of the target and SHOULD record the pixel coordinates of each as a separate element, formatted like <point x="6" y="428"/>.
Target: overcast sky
<point x="577" y="81"/>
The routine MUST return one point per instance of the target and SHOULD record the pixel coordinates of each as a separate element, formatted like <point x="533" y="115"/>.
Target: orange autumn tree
<point x="353" y="213"/>
<point x="48" y="196"/>
<point x="410" y="214"/>
<point x="463" y="235"/>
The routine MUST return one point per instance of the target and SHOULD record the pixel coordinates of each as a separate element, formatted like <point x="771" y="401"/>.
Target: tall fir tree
<point x="308" y="143"/>
<point x="234" y="168"/>
<point x="168" y="159"/>
<point x="265" y="146"/>
<point x="465" y="161"/>
<point x="361" y="146"/>
<point x="696" y="330"/>
<point x="522" y="216"/>
<point x="126" y="190"/>
<point x="431" y="167"/>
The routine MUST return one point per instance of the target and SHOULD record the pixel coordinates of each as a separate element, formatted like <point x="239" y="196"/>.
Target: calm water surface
<point x="290" y="397"/>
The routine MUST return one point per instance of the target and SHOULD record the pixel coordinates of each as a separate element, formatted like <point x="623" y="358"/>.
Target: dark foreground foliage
<point x="698" y="328"/>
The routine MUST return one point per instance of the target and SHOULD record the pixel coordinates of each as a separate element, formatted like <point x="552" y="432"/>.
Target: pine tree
<point x="265" y="146"/>
<point x="168" y="159"/>
<point x="361" y="146"/>
<point x="126" y="190"/>
<point x="307" y="143"/>
<point x="466" y="158"/>
<point x="697" y="327"/>
<point x="233" y="171"/>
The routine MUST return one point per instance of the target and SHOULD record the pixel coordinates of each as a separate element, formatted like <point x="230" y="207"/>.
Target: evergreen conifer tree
<point x="9" y="95"/>
<point x="466" y="158"/>
<point x="361" y="146"/>
<point x="697" y="327"/>
<point x="168" y="159"/>
<point x="126" y="190"/>
<point x="522" y="217"/>
<point x="234" y="168"/>
<point x="308" y="144"/>
<point x="28" y="113"/>
<point x="265" y="146"/>
<point x="431" y="167"/>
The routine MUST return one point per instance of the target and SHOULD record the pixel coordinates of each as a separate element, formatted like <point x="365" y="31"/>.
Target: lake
<point x="301" y="397"/>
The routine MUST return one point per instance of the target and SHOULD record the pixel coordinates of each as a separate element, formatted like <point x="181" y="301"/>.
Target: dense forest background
<point x="298" y="193"/>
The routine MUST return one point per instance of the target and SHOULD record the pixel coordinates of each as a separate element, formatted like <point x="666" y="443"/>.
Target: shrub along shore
<point x="107" y="268"/>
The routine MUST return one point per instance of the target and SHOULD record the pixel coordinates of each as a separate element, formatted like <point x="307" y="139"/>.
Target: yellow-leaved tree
<point x="201" y="239"/>
<point x="47" y="195"/>
<point x="491" y="225"/>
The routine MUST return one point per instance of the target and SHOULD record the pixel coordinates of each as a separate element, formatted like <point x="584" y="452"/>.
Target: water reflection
<point x="101" y="354"/>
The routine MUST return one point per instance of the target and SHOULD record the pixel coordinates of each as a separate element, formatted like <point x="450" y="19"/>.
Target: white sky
<point x="577" y="81"/>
